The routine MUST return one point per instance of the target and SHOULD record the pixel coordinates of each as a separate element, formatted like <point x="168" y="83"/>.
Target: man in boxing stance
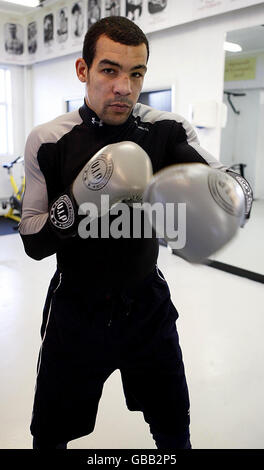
<point x="108" y="306"/>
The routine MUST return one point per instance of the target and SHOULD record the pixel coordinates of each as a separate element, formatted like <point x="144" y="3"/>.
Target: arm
<point x="185" y="146"/>
<point x="45" y="226"/>
<point x="38" y="237"/>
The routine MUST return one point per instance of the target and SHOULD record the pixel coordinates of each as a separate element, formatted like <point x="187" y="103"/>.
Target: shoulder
<point x="52" y="131"/>
<point x="149" y="114"/>
<point x="152" y="116"/>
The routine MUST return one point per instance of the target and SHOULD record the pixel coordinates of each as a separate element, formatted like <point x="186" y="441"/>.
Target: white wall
<point x="259" y="184"/>
<point x="240" y="136"/>
<point x="53" y="82"/>
<point x="242" y="139"/>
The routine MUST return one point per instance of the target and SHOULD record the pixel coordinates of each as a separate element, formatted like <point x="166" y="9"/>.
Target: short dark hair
<point x="117" y="28"/>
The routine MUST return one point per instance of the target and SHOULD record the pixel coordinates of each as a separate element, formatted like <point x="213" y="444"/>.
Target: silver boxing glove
<point x="211" y="203"/>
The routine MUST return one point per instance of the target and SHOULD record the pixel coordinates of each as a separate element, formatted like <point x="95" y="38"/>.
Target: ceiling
<point x="250" y="39"/>
<point x="6" y="6"/>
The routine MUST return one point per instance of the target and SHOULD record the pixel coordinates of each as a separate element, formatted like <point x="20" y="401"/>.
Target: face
<point x="114" y="80"/>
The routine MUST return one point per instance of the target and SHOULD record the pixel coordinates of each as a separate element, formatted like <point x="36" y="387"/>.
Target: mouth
<point x="119" y="107"/>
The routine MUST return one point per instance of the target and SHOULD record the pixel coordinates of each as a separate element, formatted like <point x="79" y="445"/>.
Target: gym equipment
<point x="15" y="201"/>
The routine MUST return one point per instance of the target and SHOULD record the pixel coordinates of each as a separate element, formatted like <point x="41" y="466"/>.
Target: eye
<point x="137" y="75"/>
<point x="108" y="71"/>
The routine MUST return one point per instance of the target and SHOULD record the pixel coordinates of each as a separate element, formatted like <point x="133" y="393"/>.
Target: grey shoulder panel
<point x="53" y="130"/>
<point x="151" y="115"/>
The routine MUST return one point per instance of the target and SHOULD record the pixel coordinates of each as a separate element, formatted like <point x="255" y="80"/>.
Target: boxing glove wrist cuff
<point x="247" y="190"/>
<point x="63" y="215"/>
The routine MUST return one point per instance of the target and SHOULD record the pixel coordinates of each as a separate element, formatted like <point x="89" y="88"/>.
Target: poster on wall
<point x="32" y="38"/>
<point x="14" y="39"/>
<point x="155" y="6"/>
<point x="134" y="9"/>
<point x="112" y="8"/>
<point x="77" y="21"/>
<point x="242" y="68"/>
<point x="48" y="32"/>
<point x="234" y="4"/>
<point x="94" y="11"/>
<point x="62" y="25"/>
<point x="160" y="14"/>
<point x="206" y="8"/>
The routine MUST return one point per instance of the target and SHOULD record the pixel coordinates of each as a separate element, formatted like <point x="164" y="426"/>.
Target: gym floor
<point x="221" y="327"/>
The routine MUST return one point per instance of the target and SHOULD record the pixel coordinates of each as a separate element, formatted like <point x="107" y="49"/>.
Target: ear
<point x="81" y="69"/>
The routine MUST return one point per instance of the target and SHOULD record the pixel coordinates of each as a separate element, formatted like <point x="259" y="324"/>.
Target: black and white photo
<point x="77" y="19"/>
<point x="155" y="6"/>
<point x="62" y="24"/>
<point x="112" y="7"/>
<point x="32" y="37"/>
<point x="14" y="43"/>
<point x="48" y="24"/>
<point x="94" y="11"/>
<point x="133" y="9"/>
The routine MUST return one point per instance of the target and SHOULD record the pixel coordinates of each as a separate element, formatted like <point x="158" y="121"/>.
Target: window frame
<point x="6" y="103"/>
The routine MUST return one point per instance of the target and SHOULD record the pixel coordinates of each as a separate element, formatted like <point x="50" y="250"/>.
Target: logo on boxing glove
<point x="62" y="212"/>
<point x="223" y="192"/>
<point x="97" y="174"/>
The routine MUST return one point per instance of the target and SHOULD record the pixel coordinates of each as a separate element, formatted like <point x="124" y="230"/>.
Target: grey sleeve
<point x="38" y="238"/>
<point x="35" y="201"/>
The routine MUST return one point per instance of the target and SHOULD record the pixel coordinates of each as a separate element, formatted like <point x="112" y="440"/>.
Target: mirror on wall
<point x="242" y="140"/>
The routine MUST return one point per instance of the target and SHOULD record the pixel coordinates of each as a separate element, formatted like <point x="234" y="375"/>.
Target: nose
<point x="122" y="86"/>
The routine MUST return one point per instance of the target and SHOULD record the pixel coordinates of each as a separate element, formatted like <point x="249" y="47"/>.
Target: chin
<point x="118" y="122"/>
<point x="115" y="119"/>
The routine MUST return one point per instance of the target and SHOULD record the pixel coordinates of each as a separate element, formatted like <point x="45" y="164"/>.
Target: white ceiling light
<point x="24" y="3"/>
<point x="232" y="47"/>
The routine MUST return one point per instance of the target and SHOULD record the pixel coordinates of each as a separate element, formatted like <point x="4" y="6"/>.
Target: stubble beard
<point x="113" y="118"/>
